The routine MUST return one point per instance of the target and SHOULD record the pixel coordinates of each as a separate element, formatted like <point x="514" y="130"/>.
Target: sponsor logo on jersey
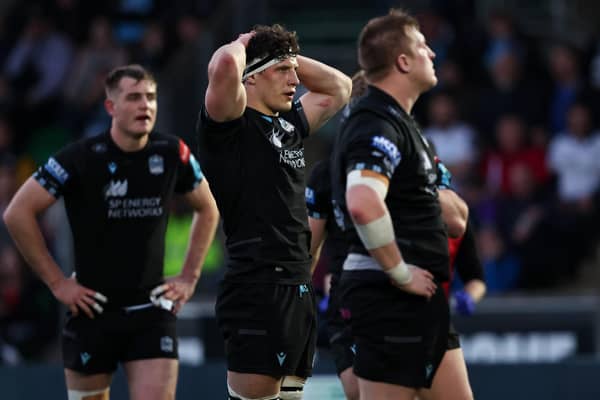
<point x="156" y="164"/>
<point x="293" y="158"/>
<point x="309" y="195"/>
<point x="116" y="188"/>
<point x="56" y="170"/>
<point x="166" y="344"/>
<point x="388" y="148"/>
<point x="184" y="152"/>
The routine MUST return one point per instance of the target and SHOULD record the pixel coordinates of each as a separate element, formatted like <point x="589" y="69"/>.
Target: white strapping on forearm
<point x="377" y="233"/>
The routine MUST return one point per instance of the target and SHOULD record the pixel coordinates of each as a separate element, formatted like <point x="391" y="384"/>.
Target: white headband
<point x="260" y="64"/>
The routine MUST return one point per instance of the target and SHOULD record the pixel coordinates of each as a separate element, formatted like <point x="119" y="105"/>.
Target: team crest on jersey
<point x="156" y="164"/>
<point x="276" y="137"/>
<point x="112" y="167"/>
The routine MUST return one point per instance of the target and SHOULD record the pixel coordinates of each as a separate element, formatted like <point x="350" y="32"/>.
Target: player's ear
<point x="402" y="63"/>
<point x="251" y="80"/>
<point x="109" y="105"/>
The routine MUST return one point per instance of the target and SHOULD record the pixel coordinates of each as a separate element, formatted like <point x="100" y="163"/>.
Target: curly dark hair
<point x="272" y="40"/>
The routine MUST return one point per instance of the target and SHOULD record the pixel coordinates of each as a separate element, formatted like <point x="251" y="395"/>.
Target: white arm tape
<point x="355" y="177"/>
<point x="400" y="273"/>
<point x="376" y="233"/>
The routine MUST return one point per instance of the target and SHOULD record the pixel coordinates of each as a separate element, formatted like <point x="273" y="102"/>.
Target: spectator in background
<point x="454" y="140"/>
<point x="84" y="91"/>
<point x="509" y="91"/>
<point x="184" y="87"/>
<point x="512" y="148"/>
<point x="524" y="223"/>
<point x="28" y="316"/>
<point x="501" y="266"/>
<point x="574" y="156"/>
<point x="36" y="67"/>
<point x="152" y="50"/>
<point x="568" y="84"/>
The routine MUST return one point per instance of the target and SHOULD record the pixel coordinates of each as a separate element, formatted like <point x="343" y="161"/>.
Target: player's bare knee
<point x="292" y="388"/>
<point x="99" y="394"/>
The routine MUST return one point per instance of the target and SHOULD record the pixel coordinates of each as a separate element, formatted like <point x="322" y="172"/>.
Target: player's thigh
<point x="451" y="381"/>
<point x="86" y="382"/>
<point x="253" y="385"/>
<point x="152" y="379"/>
<point x="370" y="390"/>
<point x="349" y="384"/>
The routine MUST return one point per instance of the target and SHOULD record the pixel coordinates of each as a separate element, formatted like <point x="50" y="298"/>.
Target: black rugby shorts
<point x="92" y="346"/>
<point x="400" y="338"/>
<point x="268" y="328"/>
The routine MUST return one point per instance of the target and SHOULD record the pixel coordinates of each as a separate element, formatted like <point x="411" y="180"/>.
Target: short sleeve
<point x="374" y="145"/>
<point x="318" y="192"/>
<point x="190" y="174"/>
<point x="58" y="174"/>
<point x="218" y="132"/>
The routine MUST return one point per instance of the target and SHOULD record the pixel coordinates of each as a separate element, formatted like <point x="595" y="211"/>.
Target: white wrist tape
<point x="355" y="177"/>
<point x="376" y="233"/>
<point x="100" y="394"/>
<point x="400" y="273"/>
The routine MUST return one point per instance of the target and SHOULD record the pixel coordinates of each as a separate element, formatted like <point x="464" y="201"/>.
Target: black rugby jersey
<point x="117" y="204"/>
<point x="257" y="171"/>
<point x="380" y="136"/>
<point x="318" y="203"/>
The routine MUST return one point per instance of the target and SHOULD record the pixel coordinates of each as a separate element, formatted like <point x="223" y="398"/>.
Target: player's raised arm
<point x="225" y="97"/>
<point x="328" y="91"/>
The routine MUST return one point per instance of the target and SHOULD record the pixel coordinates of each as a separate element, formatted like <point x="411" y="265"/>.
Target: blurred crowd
<point x="514" y="118"/>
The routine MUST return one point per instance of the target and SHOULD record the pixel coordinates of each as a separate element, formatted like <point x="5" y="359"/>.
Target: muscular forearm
<point x="321" y="78"/>
<point x="27" y="235"/>
<point x="454" y="212"/>
<point x="202" y="233"/>
<point x="228" y="62"/>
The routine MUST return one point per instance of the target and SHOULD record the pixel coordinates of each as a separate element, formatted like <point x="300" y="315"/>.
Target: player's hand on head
<point x="244" y="38"/>
<point x="463" y="303"/>
<point x="79" y="298"/>
<point x="421" y="282"/>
